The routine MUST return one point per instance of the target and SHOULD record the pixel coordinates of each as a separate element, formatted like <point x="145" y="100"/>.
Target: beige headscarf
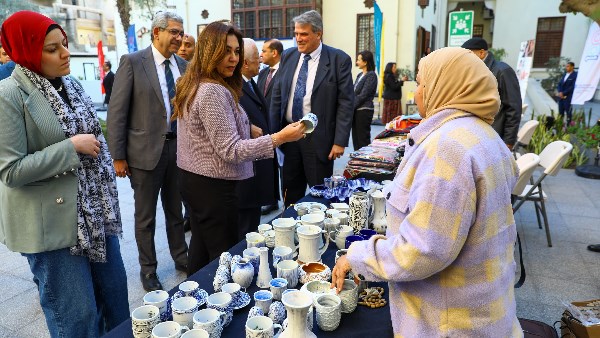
<point x="455" y="77"/>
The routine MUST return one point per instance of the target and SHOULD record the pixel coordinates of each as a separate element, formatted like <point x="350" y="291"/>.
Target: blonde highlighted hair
<point x="210" y="50"/>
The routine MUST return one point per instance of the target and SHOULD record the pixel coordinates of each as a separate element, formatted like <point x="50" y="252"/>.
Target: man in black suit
<point x="566" y="86"/>
<point x="312" y="78"/>
<point x="143" y="141"/>
<point x="107" y="82"/>
<point x="270" y="56"/>
<point x="259" y="190"/>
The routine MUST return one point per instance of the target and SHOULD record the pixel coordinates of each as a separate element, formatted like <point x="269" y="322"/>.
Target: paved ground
<point x="563" y="273"/>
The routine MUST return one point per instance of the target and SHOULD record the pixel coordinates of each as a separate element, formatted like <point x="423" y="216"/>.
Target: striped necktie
<point x="171" y="89"/>
<point x="300" y="91"/>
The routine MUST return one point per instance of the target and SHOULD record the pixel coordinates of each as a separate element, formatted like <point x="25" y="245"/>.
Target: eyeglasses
<point x="173" y="32"/>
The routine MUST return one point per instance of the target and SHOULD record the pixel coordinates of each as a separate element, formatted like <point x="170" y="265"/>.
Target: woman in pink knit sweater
<point x="216" y="143"/>
<point x="448" y="251"/>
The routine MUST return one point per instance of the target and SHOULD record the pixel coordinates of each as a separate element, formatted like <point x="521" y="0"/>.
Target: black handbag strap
<point x="522" y="277"/>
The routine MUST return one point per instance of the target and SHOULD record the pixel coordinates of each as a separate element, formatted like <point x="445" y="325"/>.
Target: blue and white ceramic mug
<point x="310" y="122"/>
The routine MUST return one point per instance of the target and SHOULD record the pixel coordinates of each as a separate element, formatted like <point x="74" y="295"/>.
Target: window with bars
<point x="266" y="19"/>
<point x="477" y="31"/>
<point x="364" y="33"/>
<point x="548" y="40"/>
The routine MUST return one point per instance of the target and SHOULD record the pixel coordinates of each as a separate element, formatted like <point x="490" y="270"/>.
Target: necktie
<point x="171" y="89"/>
<point x="249" y="83"/>
<point x="300" y="90"/>
<point x="269" y="78"/>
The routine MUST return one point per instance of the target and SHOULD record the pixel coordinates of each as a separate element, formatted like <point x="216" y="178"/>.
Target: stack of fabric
<point x="378" y="160"/>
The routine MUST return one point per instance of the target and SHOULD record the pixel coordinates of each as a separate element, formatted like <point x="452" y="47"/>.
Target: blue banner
<point x="131" y="41"/>
<point x="377" y="28"/>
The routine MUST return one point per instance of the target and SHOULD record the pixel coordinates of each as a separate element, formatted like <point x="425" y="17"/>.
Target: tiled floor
<point x="563" y="273"/>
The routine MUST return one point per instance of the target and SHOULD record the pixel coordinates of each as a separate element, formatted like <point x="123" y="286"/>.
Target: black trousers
<point x="146" y="185"/>
<point x="213" y="217"/>
<point x="248" y="221"/>
<point x="564" y="106"/>
<point x="301" y="167"/>
<point x="361" y="128"/>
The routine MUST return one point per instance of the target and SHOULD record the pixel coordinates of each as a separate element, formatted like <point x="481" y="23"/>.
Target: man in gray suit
<point x="312" y="78"/>
<point x="143" y="140"/>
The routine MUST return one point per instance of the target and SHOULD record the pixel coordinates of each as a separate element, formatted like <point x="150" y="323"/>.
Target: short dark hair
<point x="276" y="45"/>
<point x="571" y="63"/>
<point x="108" y="64"/>
<point x="367" y="57"/>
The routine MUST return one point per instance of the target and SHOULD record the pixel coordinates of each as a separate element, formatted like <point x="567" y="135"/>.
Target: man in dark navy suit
<point x="259" y="190"/>
<point x="271" y="56"/>
<point x="313" y="78"/>
<point x="565" y="88"/>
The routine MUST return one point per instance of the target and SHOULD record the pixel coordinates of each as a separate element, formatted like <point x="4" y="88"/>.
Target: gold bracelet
<point x="276" y="144"/>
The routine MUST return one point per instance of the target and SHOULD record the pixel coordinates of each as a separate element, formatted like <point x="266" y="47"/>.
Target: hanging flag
<point x="524" y="63"/>
<point x="589" y="68"/>
<point x="101" y="63"/>
<point x="131" y="41"/>
<point x="377" y="30"/>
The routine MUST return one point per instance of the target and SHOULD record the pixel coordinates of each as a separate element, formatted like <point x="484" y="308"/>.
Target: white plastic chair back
<point x="526" y="132"/>
<point x="527" y="164"/>
<point x="554" y="155"/>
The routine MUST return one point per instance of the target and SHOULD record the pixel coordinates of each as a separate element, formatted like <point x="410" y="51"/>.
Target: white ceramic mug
<point x="234" y="290"/>
<point x="288" y="269"/>
<point x="252" y="254"/>
<point x="330" y="224"/>
<point x="310" y="122"/>
<point x="189" y="288"/>
<point x="221" y="301"/>
<point x="263" y="300"/>
<point x="254" y="239"/>
<point x="340" y="235"/>
<point x="196" y="333"/>
<point x="282" y="253"/>
<point x="313" y="219"/>
<point x="143" y="320"/>
<point x="261" y="327"/>
<point x="329" y="314"/>
<point x="343" y="217"/>
<point x="168" y="330"/>
<point x="183" y="310"/>
<point x="158" y="298"/>
<point x="264" y="227"/>
<point x="211" y="321"/>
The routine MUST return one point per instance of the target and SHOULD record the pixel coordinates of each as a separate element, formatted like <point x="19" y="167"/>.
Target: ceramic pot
<point x="297" y="304"/>
<point x="349" y="296"/>
<point x="328" y="308"/>
<point x="277" y="312"/>
<point x="314" y="271"/>
<point x="242" y="273"/>
<point x="379" y="222"/>
<point x="225" y="259"/>
<point x="255" y="311"/>
<point x="359" y="211"/>
<point x="221" y="277"/>
<point x="264" y="272"/>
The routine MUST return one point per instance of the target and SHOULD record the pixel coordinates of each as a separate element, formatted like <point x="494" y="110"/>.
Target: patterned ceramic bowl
<point x="314" y="271"/>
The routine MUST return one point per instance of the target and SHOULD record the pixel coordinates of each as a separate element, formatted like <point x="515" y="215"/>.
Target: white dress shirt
<point x="159" y="60"/>
<point x="313" y="64"/>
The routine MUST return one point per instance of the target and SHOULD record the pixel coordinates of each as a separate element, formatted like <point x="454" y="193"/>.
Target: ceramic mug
<point x="168" y="330"/>
<point x="328" y="308"/>
<point x="234" y="290"/>
<point x="310" y="122"/>
<point x="183" y="310"/>
<point x="313" y="219"/>
<point x="367" y="233"/>
<point x="349" y="296"/>
<point x="341" y="234"/>
<point x="196" y="333"/>
<point x="253" y="256"/>
<point x="352" y="239"/>
<point x="343" y="217"/>
<point x="331" y="213"/>
<point x="263" y="300"/>
<point x="330" y="224"/>
<point x="264" y="227"/>
<point x="158" y="298"/>
<point x="189" y="288"/>
<point x="288" y="269"/>
<point x="278" y="286"/>
<point x="254" y="239"/>
<point x="221" y="301"/>
<point x="270" y="238"/>
<point x="282" y="253"/>
<point x="211" y="321"/>
<point x="261" y="327"/>
<point x="143" y="320"/>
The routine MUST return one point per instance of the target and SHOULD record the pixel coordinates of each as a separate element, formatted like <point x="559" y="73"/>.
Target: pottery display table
<point x="363" y="322"/>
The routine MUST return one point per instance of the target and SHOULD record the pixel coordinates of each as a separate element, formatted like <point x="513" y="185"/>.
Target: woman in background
<point x="59" y="205"/>
<point x="448" y="254"/>
<point x="214" y="149"/>
<point x="392" y="93"/>
<point x="364" y="91"/>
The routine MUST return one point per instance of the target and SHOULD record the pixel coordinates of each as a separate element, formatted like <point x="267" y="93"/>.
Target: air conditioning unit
<point x="488" y="13"/>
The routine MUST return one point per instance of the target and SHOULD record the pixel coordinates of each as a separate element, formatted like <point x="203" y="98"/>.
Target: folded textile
<point x="377" y="154"/>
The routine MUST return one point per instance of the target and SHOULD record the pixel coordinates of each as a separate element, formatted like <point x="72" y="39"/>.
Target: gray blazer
<point x="38" y="189"/>
<point x="136" y="112"/>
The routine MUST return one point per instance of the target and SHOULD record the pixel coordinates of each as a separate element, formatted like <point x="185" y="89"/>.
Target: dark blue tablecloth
<point x="363" y="322"/>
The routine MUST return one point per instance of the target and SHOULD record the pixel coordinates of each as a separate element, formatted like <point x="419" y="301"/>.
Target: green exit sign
<point x="460" y="28"/>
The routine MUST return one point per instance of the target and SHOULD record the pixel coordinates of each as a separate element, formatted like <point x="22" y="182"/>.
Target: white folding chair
<point x="527" y="164"/>
<point x="524" y="135"/>
<point x="551" y="159"/>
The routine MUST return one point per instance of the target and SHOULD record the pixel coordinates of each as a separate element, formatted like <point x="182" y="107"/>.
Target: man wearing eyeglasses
<point x="143" y="140"/>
